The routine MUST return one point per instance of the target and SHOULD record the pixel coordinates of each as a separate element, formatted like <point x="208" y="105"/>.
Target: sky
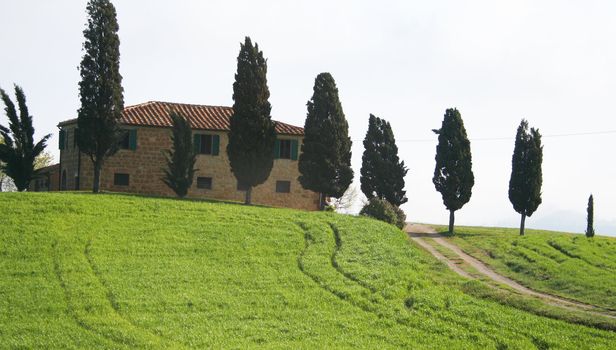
<point x="550" y="62"/>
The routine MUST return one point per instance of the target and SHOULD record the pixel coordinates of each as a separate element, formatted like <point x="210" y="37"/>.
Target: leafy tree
<point x="181" y="158"/>
<point x="453" y="174"/>
<point x="42" y="160"/>
<point x="325" y="159"/>
<point x="382" y="172"/>
<point x="252" y="135"/>
<point x="18" y="151"/>
<point x="526" y="177"/>
<point x="100" y="89"/>
<point x="590" y="230"/>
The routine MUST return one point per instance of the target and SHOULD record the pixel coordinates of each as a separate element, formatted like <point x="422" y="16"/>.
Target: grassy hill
<point x="119" y="271"/>
<point x="563" y="264"/>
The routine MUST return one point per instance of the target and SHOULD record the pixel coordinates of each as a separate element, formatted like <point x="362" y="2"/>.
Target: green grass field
<point x="121" y="272"/>
<point x="563" y="264"/>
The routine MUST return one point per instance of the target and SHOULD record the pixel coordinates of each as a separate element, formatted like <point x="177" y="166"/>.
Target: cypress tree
<point x="453" y="174"/>
<point x="526" y="177"/>
<point x="181" y="158"/>
<point x="100" y="89"/>
<point x="252" y="135"/>
<point x="325" y="159"/>
<point x="590" y="210"/>
<point x="18" y="152"/>
<point x="382" y="172"/>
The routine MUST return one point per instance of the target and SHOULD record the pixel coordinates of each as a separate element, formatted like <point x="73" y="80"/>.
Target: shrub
<point x="381" y="209"/>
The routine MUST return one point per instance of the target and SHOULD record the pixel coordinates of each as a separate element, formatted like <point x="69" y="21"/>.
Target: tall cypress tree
<point x="526" y="176"/>
<point x="453" y="174"/>
<point x="18" y="151"/>
<point x="590" y="210"/>
<point x="325" y="159"/>
<point x="382" y="172"/>
<point x="181" y="158"/>
<point x="100" y="89"/>
<point x="252" y="135"/>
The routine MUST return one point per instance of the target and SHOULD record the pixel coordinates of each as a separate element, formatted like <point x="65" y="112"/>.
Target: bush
<point x="381" y="209"/>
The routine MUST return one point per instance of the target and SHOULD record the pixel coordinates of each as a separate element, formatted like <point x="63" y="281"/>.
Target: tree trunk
<point x="96" y="183"/>
<point x="248" y="200"/>
<point x="451" y="221"/>
<point x="321" y="201"/>
<point x="522" y="225"/>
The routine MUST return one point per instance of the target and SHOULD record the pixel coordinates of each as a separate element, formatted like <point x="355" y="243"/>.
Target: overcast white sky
<point x="551" y="62"/>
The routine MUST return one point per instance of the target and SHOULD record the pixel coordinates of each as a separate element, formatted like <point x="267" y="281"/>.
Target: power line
<point x="512" y="138"/>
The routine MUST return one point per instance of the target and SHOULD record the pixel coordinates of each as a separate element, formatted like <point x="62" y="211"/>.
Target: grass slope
<point x="120" y="272"/>
<point x="563" y="264"/>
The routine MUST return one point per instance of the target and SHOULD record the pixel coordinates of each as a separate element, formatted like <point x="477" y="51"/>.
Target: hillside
<point x="563" y="264"/>
<point x="119" y="271"/>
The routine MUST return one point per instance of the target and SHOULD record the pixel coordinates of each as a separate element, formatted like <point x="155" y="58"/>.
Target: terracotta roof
<point x="50" y="168"/>
<point x="155" y="113"/>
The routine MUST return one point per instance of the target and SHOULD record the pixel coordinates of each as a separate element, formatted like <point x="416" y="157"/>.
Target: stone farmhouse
<point x="138" y="166"/>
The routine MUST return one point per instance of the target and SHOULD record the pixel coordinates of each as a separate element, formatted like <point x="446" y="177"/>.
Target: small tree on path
<point x="453" y="174"/>
<point x="526" y="175"/>
<point x="590" y="210"/>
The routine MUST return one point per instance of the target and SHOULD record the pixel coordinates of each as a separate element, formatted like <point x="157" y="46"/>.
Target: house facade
<point x="46" y="180"/>
<point x="138" y="166"/>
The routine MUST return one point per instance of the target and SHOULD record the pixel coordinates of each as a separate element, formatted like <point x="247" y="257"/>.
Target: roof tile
<point x="201" y="117"/>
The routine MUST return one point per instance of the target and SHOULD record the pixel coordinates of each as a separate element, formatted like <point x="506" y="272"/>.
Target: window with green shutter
<point x="129" y="140"/>
<point x="294" y="149"/>
<point x="215" y="145"/>
<point x="132" y="139"/>
<point x="277" y="149"/>
<point x="284" y="149"/>
<point x="207" y="144"/>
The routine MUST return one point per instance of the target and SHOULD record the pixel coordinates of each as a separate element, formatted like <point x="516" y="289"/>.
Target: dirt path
<point x="419" y="233"/>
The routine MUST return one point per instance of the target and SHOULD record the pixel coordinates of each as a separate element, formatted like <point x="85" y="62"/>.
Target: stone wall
<point x="145" y="169"/>
<point x="70" y="158"/>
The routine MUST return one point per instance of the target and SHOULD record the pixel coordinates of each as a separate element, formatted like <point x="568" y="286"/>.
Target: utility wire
<point x="512" y="138"/>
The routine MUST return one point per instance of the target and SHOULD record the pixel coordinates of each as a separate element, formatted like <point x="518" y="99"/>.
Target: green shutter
<point x="132" y="139"/>
<point x="215" y="144"/>
<point x="61" y="141"/>
<point x="293" y="149"/>
<point x="277" y="149"/>
<point x="197" y="143"/>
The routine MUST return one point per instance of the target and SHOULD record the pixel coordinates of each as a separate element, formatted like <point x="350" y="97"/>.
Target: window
<point x="207" y="144"/>
<point x="125" y="140"/>
<point x="204" y="182"/>
<point x="242" y="186"/>
<point x="120" y="179"/>
<point x="129" y="140"/>
<point x="286" y="149"/>
<point x="283" y="186"/>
